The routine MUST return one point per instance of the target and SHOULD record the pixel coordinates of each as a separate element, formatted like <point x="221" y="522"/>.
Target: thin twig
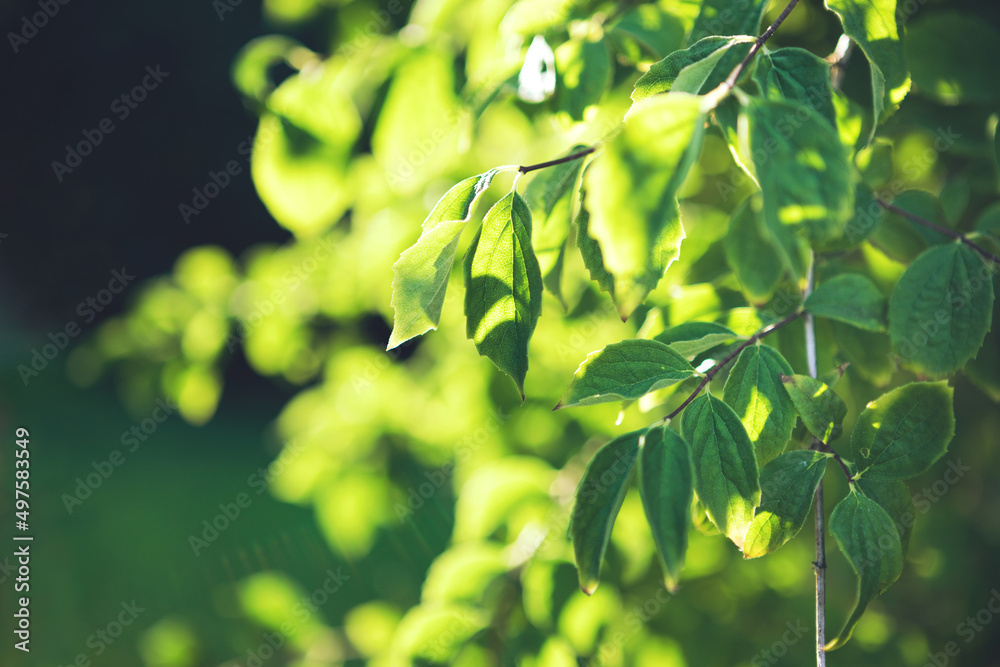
<point x="714" y="370"/>
<point x="938" y="228"/>
<point x="820" y="563"/>
<point x="821" y="446"/>
<point x="552" y="163"/>
<point x="766" y="35"/>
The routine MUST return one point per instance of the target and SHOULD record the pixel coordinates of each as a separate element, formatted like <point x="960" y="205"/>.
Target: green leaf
<point x="725" y="467"/>
<point x="422" y="270"/>
<point x="875" y="163"/>
<point x="584" y="73"/>
<point x="658" y="31"/>
<point x="689" y="70"/>
<point x="797" y="75"/>
<point x="503" y="288"/>
<point x="590" y="250"/>
<point x="692" y="338"/>
<point x="984" y="370"/>
<point x="728" y="17"/>
<point x="751" y="253"/>
<point x="804" y="175"/>
<point x="941" y="309"/>
<point x="626" y="371"/>
<point x="902" y="433"/>
<point x="947" y="52"/>
<point x="821" y="409"/>
<point x="435" y="631"/>
<point x="630" y="188"/>
<point x="904" y="240"/>
<point x="867" y="536"/>
<point x="867" y="215"/>
<point x="851" y="298"/>
<point x="870" y="353"/>
<point x="896" y="500"/>
<point x="872" y="26"/>
<point x="598" y="499"/>
<point x="788" y="484"/>
<point x="549" y="196"/>
<point x="754" y="391"/>
<point x="302" y="150"/>
<point x="666" y="487"/>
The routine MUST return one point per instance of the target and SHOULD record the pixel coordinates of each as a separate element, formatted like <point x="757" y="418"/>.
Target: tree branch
<point x="820" y="563"/>
<point x="766" y="35"/>
<point x="938" y="228"/>
<point x="821" y="446"/>
<point x="714" y="370"/>
<point x="552" y="163"/>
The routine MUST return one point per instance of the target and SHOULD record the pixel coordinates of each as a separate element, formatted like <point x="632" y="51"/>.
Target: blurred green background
<point x="288" y="493"/>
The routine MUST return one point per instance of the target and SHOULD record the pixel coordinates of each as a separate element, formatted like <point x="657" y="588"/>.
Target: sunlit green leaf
<point x="725" y="467"/>
<point x="626" y="370"/>
<point x="657" y="30"/>
<point x="902" y="433"/>
<point x="941" y="309"/>
<point x="867" y="536"/>
<point x="788" y="484"/>
<point x="797" y="75"/>
<point x="688" y="71"/>
<point x="821" y="409"/>
<point x="692" y="338"/>
<point x="804" y="176"/>
<point x="436" y="631"/>
<point x="752" y="254"/>
<point x="590" y="250"/>
<point x="503" y="293"/>
<point x="583" y="70"/>
<point x="631" y="186"/>
<point x="875" y="163"/>
<point x="300" y="152"/>
<point x="872" y="25"/>
<point x="850" y="297"/>
<point x="422" y="270"/>
<point x="728" y="17"/>
<point x="598" y="499"/>
<point x="549" y="196"/>
<point x="754" y="391"/>
<point x="665" y="483"/>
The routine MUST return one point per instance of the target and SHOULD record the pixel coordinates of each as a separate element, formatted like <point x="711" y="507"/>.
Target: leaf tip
<point x="559" y="406"/>
<point x="588" y="587"/>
